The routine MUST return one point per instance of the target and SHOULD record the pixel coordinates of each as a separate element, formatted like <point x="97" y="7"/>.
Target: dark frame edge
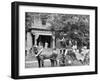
<point x="96" y="40"/>
<point x="54" y="5"/>
<point x="56" y="75"/>
<point x="14" y="41"/>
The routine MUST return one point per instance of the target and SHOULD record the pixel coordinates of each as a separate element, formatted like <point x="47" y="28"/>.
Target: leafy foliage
<point x="71" y="27"/>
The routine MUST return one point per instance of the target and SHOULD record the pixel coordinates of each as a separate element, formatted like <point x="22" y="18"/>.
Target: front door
<point x="45" y="39"/>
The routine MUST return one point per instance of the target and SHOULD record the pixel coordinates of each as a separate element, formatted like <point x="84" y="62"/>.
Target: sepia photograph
<point x="56" y="40"/>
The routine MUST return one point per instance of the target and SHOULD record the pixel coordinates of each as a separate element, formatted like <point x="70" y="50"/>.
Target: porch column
<point x="36" y="37"/>
<point x="53" y="37"/>
<point x="28" y="42"/>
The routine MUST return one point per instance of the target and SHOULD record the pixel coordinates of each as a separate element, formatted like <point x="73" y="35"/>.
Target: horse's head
<point x="35" y="49"/>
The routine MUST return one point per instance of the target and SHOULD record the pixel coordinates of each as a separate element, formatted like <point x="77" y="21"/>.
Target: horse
<point x="41" y="55"/>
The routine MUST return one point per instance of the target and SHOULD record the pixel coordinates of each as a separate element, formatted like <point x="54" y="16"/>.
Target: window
<point x="43" y="21"/>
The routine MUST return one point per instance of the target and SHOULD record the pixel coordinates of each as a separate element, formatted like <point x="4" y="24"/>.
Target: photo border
<point x="15" y="39"/>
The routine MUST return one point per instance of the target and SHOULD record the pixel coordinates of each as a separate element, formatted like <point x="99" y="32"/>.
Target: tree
<point x="71" y="27"/>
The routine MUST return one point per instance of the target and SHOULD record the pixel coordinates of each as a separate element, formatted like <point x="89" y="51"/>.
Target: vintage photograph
<point x="52" y="40"/>
<point x="56" y="40"/>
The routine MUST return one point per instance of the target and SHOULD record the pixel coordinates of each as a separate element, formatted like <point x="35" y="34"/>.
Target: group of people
<point x="81" y="55"/>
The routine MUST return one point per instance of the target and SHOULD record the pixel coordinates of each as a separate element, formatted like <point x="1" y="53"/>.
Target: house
<point x="39" y="32"/>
